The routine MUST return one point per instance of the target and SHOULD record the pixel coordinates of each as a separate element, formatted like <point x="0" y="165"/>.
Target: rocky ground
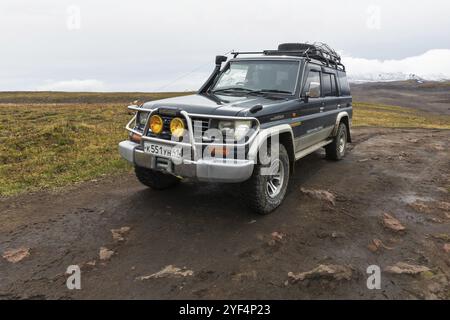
<point x="386" y="204"/>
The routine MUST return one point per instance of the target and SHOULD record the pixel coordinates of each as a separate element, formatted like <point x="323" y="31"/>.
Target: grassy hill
<point x="50" y="140"/>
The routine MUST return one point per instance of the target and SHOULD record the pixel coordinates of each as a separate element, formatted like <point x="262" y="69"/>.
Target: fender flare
<point x="339" y="117"/>
<point x="264" y="134"/>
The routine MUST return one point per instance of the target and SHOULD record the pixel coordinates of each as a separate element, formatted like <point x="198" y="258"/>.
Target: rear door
<point x="330" y="95"/>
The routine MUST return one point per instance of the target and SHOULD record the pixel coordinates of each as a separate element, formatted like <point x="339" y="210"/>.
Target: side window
<point x="326" y="84"/>
<point x="313" y="76"/>
<point x="334" y="91"/>
<point x="345" y="88"/>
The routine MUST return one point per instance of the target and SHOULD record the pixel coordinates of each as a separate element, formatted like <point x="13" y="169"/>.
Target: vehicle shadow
<point x="218" y="199"/>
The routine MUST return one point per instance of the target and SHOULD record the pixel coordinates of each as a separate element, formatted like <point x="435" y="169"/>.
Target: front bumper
<point x="214" y="170"/>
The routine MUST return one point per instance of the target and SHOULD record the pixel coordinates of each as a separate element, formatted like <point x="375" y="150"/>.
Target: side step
<point x="311" y="149"/>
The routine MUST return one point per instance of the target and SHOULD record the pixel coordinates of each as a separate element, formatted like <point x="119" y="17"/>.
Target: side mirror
<point x="314" y="90"/>
<point x="220" y="59"/>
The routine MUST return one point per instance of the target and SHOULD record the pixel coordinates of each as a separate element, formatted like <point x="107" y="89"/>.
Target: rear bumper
<point x="214" y="170"/>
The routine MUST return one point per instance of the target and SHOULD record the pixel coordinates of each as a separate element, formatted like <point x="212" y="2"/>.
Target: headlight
<point x="241" y="128"/>
<point x="237" y="129"/>
<point x="177" y="127"/>
<point x="156" y="124"/>
<point x="141" y="119"/>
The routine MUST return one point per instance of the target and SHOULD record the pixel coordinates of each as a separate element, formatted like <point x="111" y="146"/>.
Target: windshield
<point x="263" y="75"/>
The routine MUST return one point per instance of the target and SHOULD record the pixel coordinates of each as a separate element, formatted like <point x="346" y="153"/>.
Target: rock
<point x="330" y="271"/>
<point x="245" y="275"/>
<point x="327" y="234"/>
<point x="320" y="195"/>
<point x="444" y="206"/>
<point x="372" y="247"/>
<point x="336" y="234"/>
<point x="118" y="234"/>
<point x="420" y="206"/>
<point x="405" y="268"/>
<point x="446" y="247"/>
<point x="376" y="244"/>
<point x="16" y="255"/>
<point x="442" y="236"/>
<point x="105" y="253"/>
<point x="276" y="237"/>
<point x="442" y="189"/>
<point x="168" y="271"/>
<point x="392" y="223"/>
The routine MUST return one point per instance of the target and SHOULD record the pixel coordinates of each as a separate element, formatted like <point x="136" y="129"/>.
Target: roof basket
<point x="318" y="51"/>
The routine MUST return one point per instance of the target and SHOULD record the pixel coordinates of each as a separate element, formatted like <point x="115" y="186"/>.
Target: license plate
<point x="162" y="150"/>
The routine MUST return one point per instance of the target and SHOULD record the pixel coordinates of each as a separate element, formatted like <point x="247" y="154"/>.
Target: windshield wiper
<point x="271" y="91"/>
<point x="251" y="91"/>
<point x="231" y="89"/>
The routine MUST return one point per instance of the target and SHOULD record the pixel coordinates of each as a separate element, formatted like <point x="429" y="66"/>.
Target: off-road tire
<point x="255" y="192"/>
<point x="155" y="179"/>
<point x="335" y="151"/>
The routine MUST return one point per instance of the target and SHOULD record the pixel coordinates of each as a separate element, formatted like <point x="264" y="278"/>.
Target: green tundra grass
<point x="52" y="140"/>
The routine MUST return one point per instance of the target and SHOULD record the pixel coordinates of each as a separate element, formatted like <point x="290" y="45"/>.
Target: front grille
<point x="199" y="125"/>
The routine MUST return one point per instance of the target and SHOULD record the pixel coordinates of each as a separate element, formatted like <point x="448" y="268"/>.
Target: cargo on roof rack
<point x="318" y="51"/>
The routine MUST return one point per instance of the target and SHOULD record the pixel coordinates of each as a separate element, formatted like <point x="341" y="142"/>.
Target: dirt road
<point x="233" y="253"/>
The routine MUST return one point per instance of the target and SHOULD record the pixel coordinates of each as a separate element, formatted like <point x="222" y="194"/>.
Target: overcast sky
<point x="117" y="45"/>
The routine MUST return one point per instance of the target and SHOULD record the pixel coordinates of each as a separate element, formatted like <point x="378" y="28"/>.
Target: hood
<point x="221" y="105"/>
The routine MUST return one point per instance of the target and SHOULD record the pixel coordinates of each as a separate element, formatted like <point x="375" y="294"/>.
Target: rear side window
<point x="334" y="90"/>
<point x="345" y="88"/>
<point x="326" y="84"/>
<point x="313" y="76"/>
<point x="329" y="85"/>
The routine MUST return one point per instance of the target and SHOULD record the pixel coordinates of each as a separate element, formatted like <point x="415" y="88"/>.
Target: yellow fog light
<point x="177" y="127"/>
<point x="156" y="124"/>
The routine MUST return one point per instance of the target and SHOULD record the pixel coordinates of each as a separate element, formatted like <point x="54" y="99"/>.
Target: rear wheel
<point x="266" y="188"/>
<point x="155" y="179"/>
<point x="336" y="149"/>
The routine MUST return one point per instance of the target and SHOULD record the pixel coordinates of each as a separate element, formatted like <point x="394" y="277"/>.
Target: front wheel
<point x="266" y="188"/>
<point x="336" y="149"/>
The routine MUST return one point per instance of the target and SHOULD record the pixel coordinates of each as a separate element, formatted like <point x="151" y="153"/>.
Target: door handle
<point x="321" y="109"/>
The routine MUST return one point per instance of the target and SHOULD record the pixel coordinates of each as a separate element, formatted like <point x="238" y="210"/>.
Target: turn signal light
<point x="156" y="124"/>
<point x="219" y="151"/>
<point x="136" y="137"/>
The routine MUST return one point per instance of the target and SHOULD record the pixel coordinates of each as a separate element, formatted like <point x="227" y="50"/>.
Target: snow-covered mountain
<point x="433" y="65"/>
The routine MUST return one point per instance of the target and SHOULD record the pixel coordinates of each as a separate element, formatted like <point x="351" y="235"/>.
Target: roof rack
<point x="318" y="51"/>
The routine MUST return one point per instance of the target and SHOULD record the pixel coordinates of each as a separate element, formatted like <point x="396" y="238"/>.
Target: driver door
<point x="306" y="130"/>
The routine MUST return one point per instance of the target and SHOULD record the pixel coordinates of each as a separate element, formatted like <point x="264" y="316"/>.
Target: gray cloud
<point x="145" y="45"/>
